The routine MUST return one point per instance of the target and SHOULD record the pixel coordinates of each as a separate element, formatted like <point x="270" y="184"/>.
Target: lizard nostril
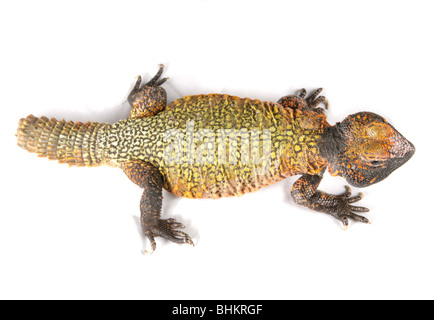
<point x="401" y="147"/>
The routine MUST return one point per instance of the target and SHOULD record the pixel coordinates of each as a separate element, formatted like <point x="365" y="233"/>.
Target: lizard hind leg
<point x="150" y="179"/>
<point x="150" y="99"/>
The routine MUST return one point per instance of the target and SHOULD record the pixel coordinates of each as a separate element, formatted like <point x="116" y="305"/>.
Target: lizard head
<point x="365" y="149"/>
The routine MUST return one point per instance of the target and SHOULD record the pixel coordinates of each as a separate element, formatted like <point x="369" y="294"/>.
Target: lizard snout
<point x="401" y="148"/>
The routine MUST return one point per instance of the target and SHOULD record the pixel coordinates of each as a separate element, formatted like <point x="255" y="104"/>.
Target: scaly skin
<point x="293" y="150"/>
<point x="212" y="146"/>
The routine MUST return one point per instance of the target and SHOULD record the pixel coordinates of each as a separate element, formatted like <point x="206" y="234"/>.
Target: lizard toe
<point x="167" y="229"/>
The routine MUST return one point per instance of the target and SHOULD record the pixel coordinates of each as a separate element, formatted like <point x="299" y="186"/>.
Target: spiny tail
<point x="74" y="143"/>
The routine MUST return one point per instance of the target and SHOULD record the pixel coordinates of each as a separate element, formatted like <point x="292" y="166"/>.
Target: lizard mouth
<point x="400" y="153"/>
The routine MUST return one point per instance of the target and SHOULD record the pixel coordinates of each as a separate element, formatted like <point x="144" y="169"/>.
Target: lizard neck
<point x="331" y="143"/>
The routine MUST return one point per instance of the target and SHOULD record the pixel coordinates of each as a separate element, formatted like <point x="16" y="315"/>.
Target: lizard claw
<point x="156" y="81"/>
<point x="153" y="244"/>
<point x="313" y="100"/>
<point x="342" y="210"/>
<point x="166" y="229"/>
<point x="302" y="93"/>
<point x="300" y="101"/>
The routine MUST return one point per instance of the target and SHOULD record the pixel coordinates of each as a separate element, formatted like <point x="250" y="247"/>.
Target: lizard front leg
<point x="150" y="99"/>
<point x="305" y="192"/>
<point x="149" y="178"/>
<point x="302" y="103"/>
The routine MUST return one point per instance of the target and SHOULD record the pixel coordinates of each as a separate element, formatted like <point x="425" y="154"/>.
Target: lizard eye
<point x="375" y="163"/>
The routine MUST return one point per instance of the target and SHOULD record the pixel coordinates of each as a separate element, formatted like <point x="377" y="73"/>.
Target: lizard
<point x="218" y="145"/>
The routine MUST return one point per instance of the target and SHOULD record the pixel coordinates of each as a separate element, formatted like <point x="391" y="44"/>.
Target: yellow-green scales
<point x="205" y="146"/>
<point x="209" y="146"/>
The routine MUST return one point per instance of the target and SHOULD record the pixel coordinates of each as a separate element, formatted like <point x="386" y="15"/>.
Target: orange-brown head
<point x="364" y="149"/>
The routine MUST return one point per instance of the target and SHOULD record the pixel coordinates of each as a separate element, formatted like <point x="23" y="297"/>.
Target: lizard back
<point x="212" y="146"/>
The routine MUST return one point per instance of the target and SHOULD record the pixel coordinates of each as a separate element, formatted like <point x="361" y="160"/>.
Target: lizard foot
<point x="166" y="229"/>
<point x="313" y="100"/>
<point x="300" y="101"/>
<point x="305" y="192"/>
<point x="149" y="99"/>
<point x="340" y="208"/>
<point x="154" y="82"/>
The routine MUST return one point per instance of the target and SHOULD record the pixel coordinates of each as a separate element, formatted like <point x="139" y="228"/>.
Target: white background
<point x="72" y="233"/>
